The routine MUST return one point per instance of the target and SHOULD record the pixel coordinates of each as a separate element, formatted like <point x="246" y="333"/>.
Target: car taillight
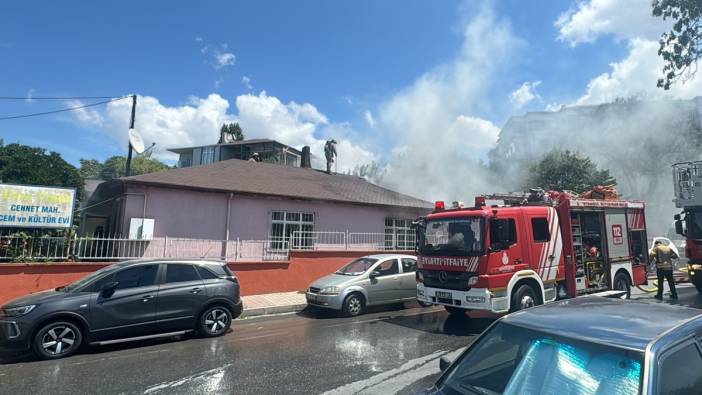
<point x="232" y="279"/>
<point x="419" y="277"/>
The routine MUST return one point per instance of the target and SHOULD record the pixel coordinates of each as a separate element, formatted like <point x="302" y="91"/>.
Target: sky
<point x="387" y="79"/>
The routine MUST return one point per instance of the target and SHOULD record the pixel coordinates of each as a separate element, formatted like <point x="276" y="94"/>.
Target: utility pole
<point x="128" y="171"/>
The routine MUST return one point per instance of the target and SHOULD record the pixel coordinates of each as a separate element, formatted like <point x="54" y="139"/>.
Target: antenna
<point x="136" y="141"/>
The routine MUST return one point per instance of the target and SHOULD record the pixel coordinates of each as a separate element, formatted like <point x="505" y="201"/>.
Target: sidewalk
<point x="275" y="303"/>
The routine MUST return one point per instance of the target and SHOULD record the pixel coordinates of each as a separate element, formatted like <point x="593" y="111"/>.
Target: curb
<point x="293" y="308"/>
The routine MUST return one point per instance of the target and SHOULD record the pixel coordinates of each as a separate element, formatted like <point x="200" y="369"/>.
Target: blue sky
<point x="368" y="73"/>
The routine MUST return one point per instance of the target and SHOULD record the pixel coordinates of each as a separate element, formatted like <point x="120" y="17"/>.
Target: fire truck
<point x="688" y="197"/>
<point x="533" y="248"/>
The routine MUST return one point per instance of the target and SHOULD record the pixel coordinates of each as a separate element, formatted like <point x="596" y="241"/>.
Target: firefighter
<point x="255" y="157"/>
<point x="664" y="256"/>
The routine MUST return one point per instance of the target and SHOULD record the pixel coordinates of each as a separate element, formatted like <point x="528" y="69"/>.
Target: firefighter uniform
<point x="664" y="256"/>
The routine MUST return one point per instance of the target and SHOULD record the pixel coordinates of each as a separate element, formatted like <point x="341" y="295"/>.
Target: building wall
<point x="195" y="214"/>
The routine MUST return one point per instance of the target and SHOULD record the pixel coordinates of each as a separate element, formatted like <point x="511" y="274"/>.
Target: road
<point x="293" y="354"/>
<point x="387" y="351"/>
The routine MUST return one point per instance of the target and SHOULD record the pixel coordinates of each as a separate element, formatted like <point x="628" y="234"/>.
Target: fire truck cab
<point x="530" y="250"/>
<point x="687" y="178"/>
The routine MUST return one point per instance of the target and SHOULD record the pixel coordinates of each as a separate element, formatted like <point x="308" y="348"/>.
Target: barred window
<point x="294" y="227"/>
<point x="398" y="234"/>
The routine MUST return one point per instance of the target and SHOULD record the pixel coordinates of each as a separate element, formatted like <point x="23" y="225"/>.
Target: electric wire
<point x="36" y="114"/>
<point x="30" y="98"/>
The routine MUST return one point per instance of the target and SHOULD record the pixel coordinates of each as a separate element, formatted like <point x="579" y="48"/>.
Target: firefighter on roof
<point x="664" y="256"/>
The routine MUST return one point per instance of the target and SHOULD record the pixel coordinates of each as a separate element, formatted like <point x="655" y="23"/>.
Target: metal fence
<point x="22" y="247"/>
<point x="367" y="241"/>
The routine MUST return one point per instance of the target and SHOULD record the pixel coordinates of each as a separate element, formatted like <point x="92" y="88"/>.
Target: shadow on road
<point x="442" y="323"/>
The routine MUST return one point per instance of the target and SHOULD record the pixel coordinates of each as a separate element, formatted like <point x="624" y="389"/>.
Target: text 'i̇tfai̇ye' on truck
<point x="688" y="197"/>
<point x="533" y="248"/>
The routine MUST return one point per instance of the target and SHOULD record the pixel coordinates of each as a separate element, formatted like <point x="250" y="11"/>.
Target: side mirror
<point x="108" y="289"/>
<point x="676" y="217"/>
<point x="374" y="274"/>
<point x="679" y="227"/>
<point x="444" y="363"/>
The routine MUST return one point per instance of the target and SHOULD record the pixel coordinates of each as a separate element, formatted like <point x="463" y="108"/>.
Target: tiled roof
<point x="275" y="180"/>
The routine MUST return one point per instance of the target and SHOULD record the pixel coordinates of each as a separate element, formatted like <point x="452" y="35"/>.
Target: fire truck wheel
<point x="455" y="310"/>
<point x="698" y="285"/>
<point x="524" y="297"/>
<point x="621" y="283"/>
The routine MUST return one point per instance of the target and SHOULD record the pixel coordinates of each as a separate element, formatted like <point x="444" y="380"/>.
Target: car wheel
<point x="57" y="339"/>
<point x="455" y="310"/>
<point x="621" y="283"/>
<point x="698" y="285"/>
<point x="353" y="305"/>
<point x="215" y="321"/>
<point x="424" y="304"/>
<point x="524" y="297"/>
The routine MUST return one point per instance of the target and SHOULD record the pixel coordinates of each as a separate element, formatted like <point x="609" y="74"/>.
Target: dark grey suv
<point x="131" y="300"/>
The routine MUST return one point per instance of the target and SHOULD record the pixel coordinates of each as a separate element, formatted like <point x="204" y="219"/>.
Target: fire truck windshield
<point x="693" y="222"/>
<point x="453" y="237"/>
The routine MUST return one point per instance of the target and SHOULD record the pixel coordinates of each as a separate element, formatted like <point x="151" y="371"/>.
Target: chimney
<point x="306" y="157"/>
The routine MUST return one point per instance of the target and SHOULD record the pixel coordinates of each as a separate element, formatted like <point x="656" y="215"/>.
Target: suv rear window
<point x="178" y="273"/>
<point x="206" y="274"/>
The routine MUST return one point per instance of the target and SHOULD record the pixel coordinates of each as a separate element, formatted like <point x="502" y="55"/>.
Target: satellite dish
<point x="136" y="141"/>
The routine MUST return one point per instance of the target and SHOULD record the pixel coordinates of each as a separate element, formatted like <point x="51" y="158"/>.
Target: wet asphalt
<point x="389" y="350"/>
<point x="306" y="353"/>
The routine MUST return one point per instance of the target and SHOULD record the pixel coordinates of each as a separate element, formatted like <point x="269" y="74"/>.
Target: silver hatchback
<point x="367" y="281"/>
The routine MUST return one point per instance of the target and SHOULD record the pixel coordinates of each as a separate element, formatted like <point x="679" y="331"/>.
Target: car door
<point x="675" y="372"/>
<point x="181" y="296"/>
<point x="408" y="282"/>
<point x="384" y="288"/>
<point x="131" y="309"/>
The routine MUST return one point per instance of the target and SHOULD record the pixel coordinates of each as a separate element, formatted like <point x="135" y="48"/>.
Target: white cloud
<point x="218" y="56"/>
<point x="224" y="59"/>
<point x="86" y="116"/>
<point x="198" y="39"/>
<point x="30" y="94"/>
<point x="441" y="141"/>
<point x="524" y="94"/>
<point x="636" y="75"/>
<point x="553" y="107"/>
<point x="246" y="81"/>
<point x="369" y="118"/>
<point x="625" y="19"/>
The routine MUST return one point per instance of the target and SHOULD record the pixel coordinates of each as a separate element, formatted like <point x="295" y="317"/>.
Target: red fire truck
<point x="688" y="197"/>
<point x="531" y="249"/>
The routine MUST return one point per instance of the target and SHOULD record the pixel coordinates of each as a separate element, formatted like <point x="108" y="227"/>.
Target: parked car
<point x="589" y="345"/>
<point x="125" y="301"/>
<point x="367" y="281"/>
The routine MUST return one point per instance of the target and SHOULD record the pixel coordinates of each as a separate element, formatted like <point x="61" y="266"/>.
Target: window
<point x="207" y="156"/>
<point x="540" y="228"/>
<point x="399" y="235"/>
<point x="133" y="277"/>
<point x="179" y="273"/>
<point x="186" y="160"/>
<point x="295" y="227"/>
<point x="388" y="267"/>
<point x="675" y="378"/>
<point x="409" y="265"/>
<point x="503" y="233"/>
<point x="205" y="274"/>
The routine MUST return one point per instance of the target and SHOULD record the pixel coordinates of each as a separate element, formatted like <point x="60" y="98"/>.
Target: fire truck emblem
<point x="443" y="277"/>
<point x="505" y="258"/>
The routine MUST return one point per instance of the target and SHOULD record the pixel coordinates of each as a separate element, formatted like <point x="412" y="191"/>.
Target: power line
<point x="36" y="114"/>
<point x="57" y="97"/>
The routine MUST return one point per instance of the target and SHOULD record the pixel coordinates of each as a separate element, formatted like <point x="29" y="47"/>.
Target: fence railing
<point x="39" y="248"/>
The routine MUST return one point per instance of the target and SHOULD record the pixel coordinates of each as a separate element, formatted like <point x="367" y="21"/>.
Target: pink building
<point x="235" y="199"/>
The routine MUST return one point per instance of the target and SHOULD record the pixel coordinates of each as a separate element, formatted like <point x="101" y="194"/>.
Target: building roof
<point x="235" y="143"/>
<point x="631" y="324"/>
<point x="246" y="177"/>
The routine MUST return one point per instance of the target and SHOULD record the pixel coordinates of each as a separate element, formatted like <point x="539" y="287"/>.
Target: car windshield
<point x="453" y="237"/>
<point x="514" y="360"/>
<point x="357" y="267"/>
<point x="88" y="279"/>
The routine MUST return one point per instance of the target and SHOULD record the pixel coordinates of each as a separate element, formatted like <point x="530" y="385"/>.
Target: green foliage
<point x="90" y="168"/>
<point x="681" y="47"/>
<point x="233" y="130"/>
<point x="567" y="171"/>
<point x="115" y="166"/>
<point x="21" y="164"/>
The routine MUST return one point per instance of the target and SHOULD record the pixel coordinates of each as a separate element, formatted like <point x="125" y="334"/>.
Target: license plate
<point x="444" y="295"/>
<point x="312" y="298"/>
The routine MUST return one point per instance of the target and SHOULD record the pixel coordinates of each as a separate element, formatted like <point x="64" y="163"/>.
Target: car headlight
<point x="695" y="266"/>
<point x="17" y="311"/>
<point x="329" y="291"/>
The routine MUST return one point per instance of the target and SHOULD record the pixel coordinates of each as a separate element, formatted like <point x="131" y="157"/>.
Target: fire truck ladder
<point x="687" y="180"/>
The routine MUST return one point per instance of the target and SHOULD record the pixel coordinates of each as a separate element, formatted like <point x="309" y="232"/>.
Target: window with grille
<point x="398" y="234"/>
<point x="295" y="227"/>
<point x="207" y="156"/>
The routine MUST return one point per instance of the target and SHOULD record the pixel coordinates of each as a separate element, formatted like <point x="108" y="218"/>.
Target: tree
<point x="22" y="164"/>
<point x="233" y="130"/>
<point x="90" y="168"/>
<point x="681" y="47"/>
<point x="115" y="166"/>
<point x="568" y="171"/>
